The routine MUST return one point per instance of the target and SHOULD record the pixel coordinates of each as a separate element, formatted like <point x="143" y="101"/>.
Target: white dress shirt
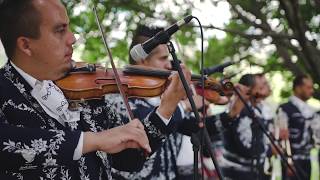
<point x="155" y="101"/>
<point x="306" y="110"/>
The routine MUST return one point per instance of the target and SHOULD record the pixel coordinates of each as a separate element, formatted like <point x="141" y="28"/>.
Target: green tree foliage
<point x="112" y="14"/>
<point x="286" y="30"/>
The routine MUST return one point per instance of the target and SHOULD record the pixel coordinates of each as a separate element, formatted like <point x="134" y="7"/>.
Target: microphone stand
<point x="203" y="131"/>
<point x="269" y="136"/>
<point x="255" y="159"/>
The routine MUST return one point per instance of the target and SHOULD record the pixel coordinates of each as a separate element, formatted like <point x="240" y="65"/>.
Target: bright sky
<point x="205" y="11"/>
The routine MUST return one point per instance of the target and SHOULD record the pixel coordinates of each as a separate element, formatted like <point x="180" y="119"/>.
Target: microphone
<point x="141" y="51"/>
<point x="218" y="68"/>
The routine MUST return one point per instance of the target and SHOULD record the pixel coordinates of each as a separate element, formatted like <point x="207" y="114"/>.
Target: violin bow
<point x="115" y="72"/>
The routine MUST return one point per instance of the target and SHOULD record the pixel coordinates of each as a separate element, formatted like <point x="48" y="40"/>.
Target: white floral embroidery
<point x="21" y="106"/>
<point x="142" y="103"/>
<point x="115" y="104"/>
<point x="10" y="76"/>
<point x="50" y="162"/>
<point x="97" y="111"/>
<point x="47" y="148"/>
<point x="105" y="161"/>
<point x="162" y="160"/>
<point x="87" y="117"/>
<point x="11" y="146"/>
<point x="51" y="173"/>
<point x="152" y="129"/>
<point x="83" y="169"/>
<point x="244" y="130"/>
<point x="39" y="145"/>
<point x="65" y="175"/>
<point x="20" y="86"/>
<point x="73" y="125"/>
<point x="14" y="80"/>
<point x="18" y="176"/>
<point x="7" y="67"/>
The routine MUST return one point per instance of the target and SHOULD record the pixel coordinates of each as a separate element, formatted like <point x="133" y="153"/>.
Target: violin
<point x="93" y="82"/>
<point x="213" y="89"/>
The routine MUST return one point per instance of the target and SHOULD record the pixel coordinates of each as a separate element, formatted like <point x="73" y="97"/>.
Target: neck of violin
<point x="154" y="72"/>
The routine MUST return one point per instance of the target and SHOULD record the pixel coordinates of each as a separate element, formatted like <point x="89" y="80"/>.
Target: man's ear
<point x="23" y="44"/>
<point x="297" y="90"/>
<point x="144" y="62"/>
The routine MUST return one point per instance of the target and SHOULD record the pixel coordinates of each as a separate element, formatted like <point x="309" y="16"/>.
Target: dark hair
<point x="142" y="34"/>
<point x="18" y="18"/>
<point x="248" y="80"/>
<point x="298" y="80"/>
<point x="260" y="74"/>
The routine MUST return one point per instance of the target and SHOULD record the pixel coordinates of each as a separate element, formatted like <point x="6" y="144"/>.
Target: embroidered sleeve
<point x="189" y="124"/>
<point x="154" y="127"/>
<point x="137" y="158"/>
<point x="28" y="148"/>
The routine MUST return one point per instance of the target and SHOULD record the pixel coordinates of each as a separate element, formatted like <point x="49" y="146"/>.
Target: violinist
<point x="40" y="136"/>
<point x="163" y="164"/>
<point x="243" y="140"/>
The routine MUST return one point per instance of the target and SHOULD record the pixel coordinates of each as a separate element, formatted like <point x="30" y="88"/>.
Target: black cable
<point x="176" y="66"/>
<point x="204" y="133"/>
<point x="202" y="89"/>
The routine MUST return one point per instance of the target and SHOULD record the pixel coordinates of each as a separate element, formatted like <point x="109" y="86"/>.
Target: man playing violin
<point x="163" y="164"/>
<point x="40" y="136"/>
<point x="243" y="140"/>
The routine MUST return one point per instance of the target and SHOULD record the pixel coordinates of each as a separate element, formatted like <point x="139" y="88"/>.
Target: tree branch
<point x="297" y="52"/>
<point x="299" y="28"/>
<point x="282" y="51"/>
<point x="243" y="17"/>
<point x="250" y="36"/>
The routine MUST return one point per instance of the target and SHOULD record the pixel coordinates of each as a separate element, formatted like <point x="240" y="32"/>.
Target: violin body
<point x="94" y="85"/>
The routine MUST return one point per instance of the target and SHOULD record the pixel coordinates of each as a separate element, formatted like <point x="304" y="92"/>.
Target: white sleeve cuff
<point x="165" y="120"/>
<point x="182" y="109"/>
<point x="78" y="151"/>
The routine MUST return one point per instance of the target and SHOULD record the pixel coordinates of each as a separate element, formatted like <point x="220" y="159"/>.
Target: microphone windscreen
<point x="137" y="53"/>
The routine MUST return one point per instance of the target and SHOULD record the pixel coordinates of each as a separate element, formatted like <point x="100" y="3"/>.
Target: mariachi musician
<point x="244" y="141"/>
<point x="303" y="125"/>
<point x="40" y="137"/>
<point x="163" y="164"/>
